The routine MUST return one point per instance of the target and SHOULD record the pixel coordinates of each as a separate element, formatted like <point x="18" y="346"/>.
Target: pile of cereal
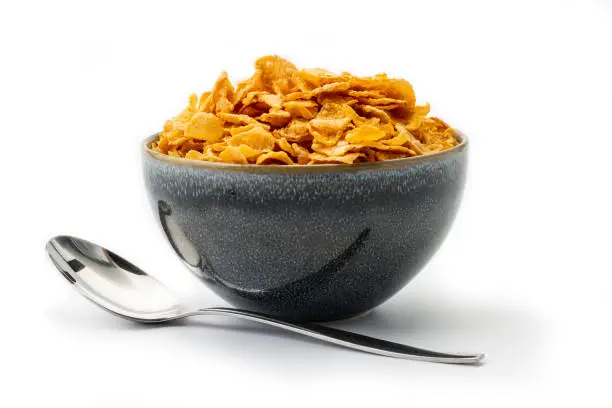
<point x="282" y="115"/>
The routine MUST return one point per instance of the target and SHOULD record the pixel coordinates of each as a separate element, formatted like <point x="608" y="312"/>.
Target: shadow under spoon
<point x="125" y="290"/>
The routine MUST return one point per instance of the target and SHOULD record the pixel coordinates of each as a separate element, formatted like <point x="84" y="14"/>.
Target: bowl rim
<point x="329" y="167"/>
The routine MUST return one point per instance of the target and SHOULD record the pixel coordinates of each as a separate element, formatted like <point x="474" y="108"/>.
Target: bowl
<point x="306" y="243"/>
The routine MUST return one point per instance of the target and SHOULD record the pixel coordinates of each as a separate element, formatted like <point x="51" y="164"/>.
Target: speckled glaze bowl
<point x="308" y="243"/>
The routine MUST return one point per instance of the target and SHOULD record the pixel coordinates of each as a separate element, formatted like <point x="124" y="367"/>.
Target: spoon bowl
<point x="112" y="282"/>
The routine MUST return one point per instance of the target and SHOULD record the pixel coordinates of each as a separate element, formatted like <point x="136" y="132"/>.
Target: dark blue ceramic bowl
<point x="308" y="243"/>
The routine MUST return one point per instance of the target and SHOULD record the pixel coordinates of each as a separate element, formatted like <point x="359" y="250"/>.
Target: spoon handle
<point x="347" y="339"/>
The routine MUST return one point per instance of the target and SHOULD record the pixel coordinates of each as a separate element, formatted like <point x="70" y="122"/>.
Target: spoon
<point x="125" y="290"/>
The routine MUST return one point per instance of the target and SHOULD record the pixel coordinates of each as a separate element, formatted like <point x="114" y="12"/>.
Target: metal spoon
<point x="126" y="291"/>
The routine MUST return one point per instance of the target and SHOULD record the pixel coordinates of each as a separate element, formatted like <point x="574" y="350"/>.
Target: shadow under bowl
<point x="306" y="243"/>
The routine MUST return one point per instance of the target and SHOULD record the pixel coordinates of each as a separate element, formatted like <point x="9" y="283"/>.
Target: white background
<point x="524" y="276"/>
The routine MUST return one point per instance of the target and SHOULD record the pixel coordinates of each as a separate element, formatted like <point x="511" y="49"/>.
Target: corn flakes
<point x="288" y="116"/>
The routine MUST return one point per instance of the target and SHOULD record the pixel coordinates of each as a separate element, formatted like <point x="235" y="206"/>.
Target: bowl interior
<point x="461" y="138"/>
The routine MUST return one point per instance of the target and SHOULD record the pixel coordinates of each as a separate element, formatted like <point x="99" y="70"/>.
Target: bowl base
<point x="350" y="318"/>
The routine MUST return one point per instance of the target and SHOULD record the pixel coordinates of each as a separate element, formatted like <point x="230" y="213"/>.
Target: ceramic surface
<point x="309" y="243"/>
